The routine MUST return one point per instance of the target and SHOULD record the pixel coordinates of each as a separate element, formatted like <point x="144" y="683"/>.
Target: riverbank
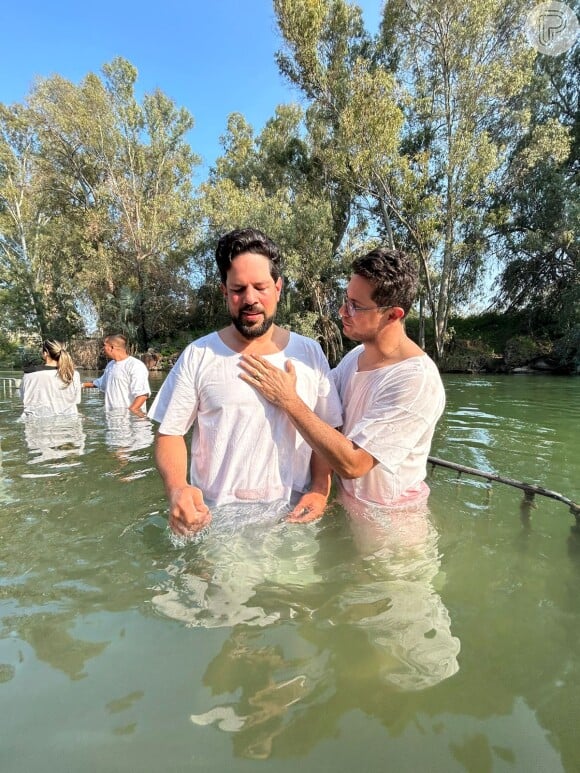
<point x="505" y="343"/>
<point x="485" y="343"/>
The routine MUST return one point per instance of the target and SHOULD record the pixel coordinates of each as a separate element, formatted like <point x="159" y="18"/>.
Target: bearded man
<point x="243" y="448"/>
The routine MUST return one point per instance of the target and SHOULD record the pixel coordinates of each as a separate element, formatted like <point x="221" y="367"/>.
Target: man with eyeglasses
<point x="391" y="391"/>
<point x="243" y="449"/>
<point x="125" y="380"/>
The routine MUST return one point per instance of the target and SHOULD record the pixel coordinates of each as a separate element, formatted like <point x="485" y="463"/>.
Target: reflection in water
<point x="398" y="606"/>
<point x="53" y="438"/>
<point x="53" y="643"/>
<point x="306" y="665"/>
<point x="300" y="623"/>
<point x="245" y="547"/>
<point x="124" y="435"/>
<point x="4" y="497"/>
<point x="127" y="432"/>
<point x="268" y="679"/>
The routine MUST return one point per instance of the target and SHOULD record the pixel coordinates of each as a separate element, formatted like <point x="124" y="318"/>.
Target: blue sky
<point x="213" y="57"/>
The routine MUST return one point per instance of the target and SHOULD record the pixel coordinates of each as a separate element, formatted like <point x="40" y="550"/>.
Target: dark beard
<point x="252" y="331"/>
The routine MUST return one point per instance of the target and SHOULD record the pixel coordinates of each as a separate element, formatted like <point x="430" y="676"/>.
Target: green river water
<point x="444" y="641"/>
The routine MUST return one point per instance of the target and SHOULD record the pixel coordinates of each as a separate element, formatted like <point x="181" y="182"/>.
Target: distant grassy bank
<point x="492" y="342"/>
<point x="505" y="343"/>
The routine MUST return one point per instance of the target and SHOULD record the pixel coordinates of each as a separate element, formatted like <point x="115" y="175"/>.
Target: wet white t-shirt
<point x="122" y="382"/>
<point x="391" y="412"/>
<point x="44" y="393"/>
<point x="243" y="448"/>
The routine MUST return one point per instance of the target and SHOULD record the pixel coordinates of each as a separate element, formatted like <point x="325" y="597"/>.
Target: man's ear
<point x="396" y="312"/>
<point x="278" y="285"/>
<point x="224" y="289"/>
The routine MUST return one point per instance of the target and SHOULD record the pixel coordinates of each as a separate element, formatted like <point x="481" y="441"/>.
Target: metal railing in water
<point x="9" y="385"/>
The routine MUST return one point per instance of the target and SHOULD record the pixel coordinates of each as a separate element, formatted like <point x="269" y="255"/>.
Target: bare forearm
<point x="320" y="475"/>
<point x="187" y="510"/>
<point x="279" y="387"/>
<point x="135" y="406"/>
<point x="335" y="449"/>
<point x="171" y="461"/>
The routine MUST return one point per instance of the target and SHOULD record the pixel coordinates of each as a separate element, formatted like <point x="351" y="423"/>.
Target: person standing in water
<point x="242" y="448"/>
<point x="125" y="381"/>
<point x="54" y="389"/>
<point x="391" y="391"/>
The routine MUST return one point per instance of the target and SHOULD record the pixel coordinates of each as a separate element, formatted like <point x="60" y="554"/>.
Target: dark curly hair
<point x="243" y="240"/>
<point x="393" y="275"/>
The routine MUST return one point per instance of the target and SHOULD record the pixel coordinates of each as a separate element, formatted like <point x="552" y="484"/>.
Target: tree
<point x="271" y="182"/>
<point x="537" y="207"/>
<point x="441" y="78"/>
<point x="129" y="169"/>
<point x="38" y="291"/>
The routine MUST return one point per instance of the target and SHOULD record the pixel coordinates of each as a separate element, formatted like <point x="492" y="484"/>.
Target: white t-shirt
<point x="391" y="412"/>
<point x="243" y="448"/>
<point x="123" y="381"/>
<point x="44" y="393"/>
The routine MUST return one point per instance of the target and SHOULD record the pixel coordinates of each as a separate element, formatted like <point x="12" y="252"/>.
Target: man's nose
<point x="250" y="296"/>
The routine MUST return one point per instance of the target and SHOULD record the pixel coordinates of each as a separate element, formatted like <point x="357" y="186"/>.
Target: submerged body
<point x="122" y="382"/>
<point x="242" y="447"/>
<point x="55" y="388"/>
<point x="391" y="413"/>
<point x="44" y="393"/>
<point x="391" y="392"/>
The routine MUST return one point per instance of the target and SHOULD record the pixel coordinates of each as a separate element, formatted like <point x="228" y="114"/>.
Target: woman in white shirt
<point x="55" y="389"/>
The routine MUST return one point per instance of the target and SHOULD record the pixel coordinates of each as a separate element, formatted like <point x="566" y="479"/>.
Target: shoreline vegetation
<point x="455" y="143"/>
<point x="484" y="343"/>
<point x="502" y="343"/>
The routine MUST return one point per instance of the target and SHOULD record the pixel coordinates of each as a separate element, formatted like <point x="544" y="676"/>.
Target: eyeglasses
<point x="353" y="310"/>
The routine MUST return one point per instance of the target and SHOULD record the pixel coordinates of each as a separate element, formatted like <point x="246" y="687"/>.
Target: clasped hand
<point x="188" y="513"/>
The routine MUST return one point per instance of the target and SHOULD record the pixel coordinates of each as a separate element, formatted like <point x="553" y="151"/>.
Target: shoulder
<point x="420" y="366"/>
<point x="308" y="346"/>
<point x="39" y="374"/>
<point x="133" y="365"/>
<point x="194" y="350"/>
<point x="199" y="354"/>
<point x="415" y="380"/>
<point x="349" y="360"/>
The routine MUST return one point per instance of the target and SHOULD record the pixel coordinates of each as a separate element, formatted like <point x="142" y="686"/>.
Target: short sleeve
<point x="404" y="407"/>
<point x="139" y="380"/>
<point x="328" y="405"/>
<point x="176" y="404"/>
<point x="77" y="386"/>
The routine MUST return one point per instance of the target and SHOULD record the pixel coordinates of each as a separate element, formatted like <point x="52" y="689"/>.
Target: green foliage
<point x="8" y="349"/>
<point x="567" y="349"/>
<point x="466" y="356"/>
<point x="27" y="358"/>
<point x="521" y="350"/>
<point x="445" y="136"/>
<point x="271" y="182"/>
<point x="537" y="210"/>
<point x="493" y="328"/>
<point x="95" y="201"/>
<point x="411" y="129"/>
<point x="499" y="341"/>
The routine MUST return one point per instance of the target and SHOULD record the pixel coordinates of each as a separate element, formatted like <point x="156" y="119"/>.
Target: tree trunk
<point x="422" y="321"/>
<point x="387" y="222"/>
